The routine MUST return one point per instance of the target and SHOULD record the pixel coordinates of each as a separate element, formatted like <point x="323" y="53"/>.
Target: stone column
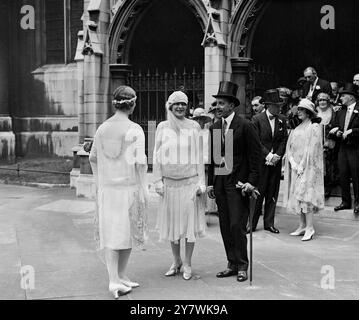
<point x="214" y="62"/>
<point x="7" y="137"/>
<point x="240" y="75"/>
<point x="215" y="42"/>
<point x="119" y="74"/>
<point x="94" y="69"/>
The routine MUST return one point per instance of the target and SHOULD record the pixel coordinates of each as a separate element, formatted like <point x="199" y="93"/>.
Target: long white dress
<point x="119" y="165"/>
<point x="304" y="193"/>
<point x="181" y="212"/>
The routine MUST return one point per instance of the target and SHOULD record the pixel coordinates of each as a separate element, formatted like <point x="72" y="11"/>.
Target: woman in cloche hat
<point x="180" y="181"/>
<point x="304" y="172"/>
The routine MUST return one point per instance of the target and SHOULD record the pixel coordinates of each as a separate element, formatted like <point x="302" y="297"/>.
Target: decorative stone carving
<point x="249" y="20"/>
<point x="115" y="5"/>
<point x="92" y="44"/>
<point x="213" y="34"/>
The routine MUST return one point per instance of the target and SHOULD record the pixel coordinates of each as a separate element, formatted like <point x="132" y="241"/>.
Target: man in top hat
<point x="230" y="169"/>
<point x="314" y="85"/>
<point x="346" y="132"/>
<point x="272" y="131"/>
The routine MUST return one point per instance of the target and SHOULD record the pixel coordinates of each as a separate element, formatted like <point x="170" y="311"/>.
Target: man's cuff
<point x="269" y="157"/>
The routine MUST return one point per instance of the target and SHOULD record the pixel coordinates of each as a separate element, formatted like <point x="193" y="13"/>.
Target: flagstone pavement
<point x="47" y="252"/>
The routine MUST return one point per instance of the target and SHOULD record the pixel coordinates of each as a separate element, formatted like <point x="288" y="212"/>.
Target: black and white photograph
<point x="192" y="152"/>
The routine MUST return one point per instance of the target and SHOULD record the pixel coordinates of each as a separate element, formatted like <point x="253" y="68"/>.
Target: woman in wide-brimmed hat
<point x="304" y="172"/>
<point x="180" y="181"/>
<point x="119" y="165"/>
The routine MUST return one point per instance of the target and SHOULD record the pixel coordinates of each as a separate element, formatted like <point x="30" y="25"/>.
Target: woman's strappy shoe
<point x="308" y="235"/>
<point x="187" y="272"/>
<point x="119" y="289"/>
<point x="129" y="283"/>
<point x="298" y="232"/>
<point x="175" y="269"/>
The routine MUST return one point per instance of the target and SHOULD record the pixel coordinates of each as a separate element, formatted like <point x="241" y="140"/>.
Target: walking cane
<point x="252" y="205"/>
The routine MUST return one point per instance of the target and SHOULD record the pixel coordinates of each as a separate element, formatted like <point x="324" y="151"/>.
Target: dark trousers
<point x="233" y="211"/>
<point x="268" y="187"/>
<point x="348" y="161"/>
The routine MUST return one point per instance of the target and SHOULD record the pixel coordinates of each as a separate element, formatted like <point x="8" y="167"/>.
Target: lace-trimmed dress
<point x="304" y="193"/>
<point x="119" y="165"/>
<point x="181" y="212"/>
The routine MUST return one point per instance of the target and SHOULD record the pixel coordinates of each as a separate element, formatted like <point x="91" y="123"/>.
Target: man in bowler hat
<point x="346" y="132"/>
<point x="272" y="132"/>
<point x="226" y="172"/>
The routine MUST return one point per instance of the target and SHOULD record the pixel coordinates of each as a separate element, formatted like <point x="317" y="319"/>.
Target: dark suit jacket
<point x="246" y="152"/>
<point x="339" y="121"/>
<point x="277" y="142"/>
<point x="324" y="87"/>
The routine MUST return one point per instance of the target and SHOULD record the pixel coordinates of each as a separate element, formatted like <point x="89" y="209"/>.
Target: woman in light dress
<point x="304" y="173"/>
<point x="119" y="166"/>
<point x="205" y="121"/>
<point x="180" y="181"/>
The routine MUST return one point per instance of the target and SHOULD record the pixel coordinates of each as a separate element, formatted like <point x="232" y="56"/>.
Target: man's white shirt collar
<point x="229" y="119"/>
<point x="315" y="83"/>
<point x="351" y="107"/>
<point x="269" y="114"/>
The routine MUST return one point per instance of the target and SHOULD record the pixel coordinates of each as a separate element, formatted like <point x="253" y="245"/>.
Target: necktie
<point x="271" y="117"/>
<point x="347" y="119"/>
<point x="224" y="128"/>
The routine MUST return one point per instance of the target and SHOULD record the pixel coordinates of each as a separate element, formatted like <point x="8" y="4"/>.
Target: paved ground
<point x="51" y="231"/>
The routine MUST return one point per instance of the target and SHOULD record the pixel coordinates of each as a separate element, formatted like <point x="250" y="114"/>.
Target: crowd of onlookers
<point x="326" y="97"/>
<point x="330" y="100"/>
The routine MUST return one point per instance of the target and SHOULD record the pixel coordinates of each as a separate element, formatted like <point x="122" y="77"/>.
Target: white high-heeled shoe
<point x="308" y="235"/>
<point x="187" y="272"/>
<point x="174" y="269"/>
<point x="129" y="283"/>
<point x="298" y="232"/>
<point x="119" y="289"/>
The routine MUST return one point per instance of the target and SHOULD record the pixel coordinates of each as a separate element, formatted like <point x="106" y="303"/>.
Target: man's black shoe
<point x="356" y="211"/>
<point x="242" y="276"/>
<point x="227" y="273"/>
<point x="272" y="229"/>
<point x="342" y="206"/>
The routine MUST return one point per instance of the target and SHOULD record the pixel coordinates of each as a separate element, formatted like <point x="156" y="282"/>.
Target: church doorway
<point x="166" y="55"/>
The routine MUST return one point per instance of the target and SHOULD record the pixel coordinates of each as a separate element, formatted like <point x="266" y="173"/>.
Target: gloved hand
<point x="160" y="188"/>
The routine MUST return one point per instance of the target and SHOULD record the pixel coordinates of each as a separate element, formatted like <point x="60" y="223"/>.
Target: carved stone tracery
<point x="244" y="20"/>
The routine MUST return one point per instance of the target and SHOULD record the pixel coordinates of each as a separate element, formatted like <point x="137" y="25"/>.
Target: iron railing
<point x="153" y="89"/>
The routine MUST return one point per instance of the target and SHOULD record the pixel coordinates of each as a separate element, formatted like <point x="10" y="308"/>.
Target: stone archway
<point x="151" y="62"/>
<point x="129" y="14"/>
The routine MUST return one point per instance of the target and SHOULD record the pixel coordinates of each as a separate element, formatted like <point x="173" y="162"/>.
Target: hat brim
<point x="206" y="118"/>
<point x="310" y="110"/>
<point x="275" y="103"/>
<point x="349" y="92"/>
<point x="233" y="98"/>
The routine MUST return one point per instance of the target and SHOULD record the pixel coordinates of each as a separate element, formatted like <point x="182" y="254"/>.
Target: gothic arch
<point x="244" y="21"/>
<point x="129" y="15"/>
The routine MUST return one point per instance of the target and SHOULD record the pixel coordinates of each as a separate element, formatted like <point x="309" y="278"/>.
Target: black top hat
<point x="350" y="88"/>
<point x="228" y="89"/>
<point x="271" y="97"/>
